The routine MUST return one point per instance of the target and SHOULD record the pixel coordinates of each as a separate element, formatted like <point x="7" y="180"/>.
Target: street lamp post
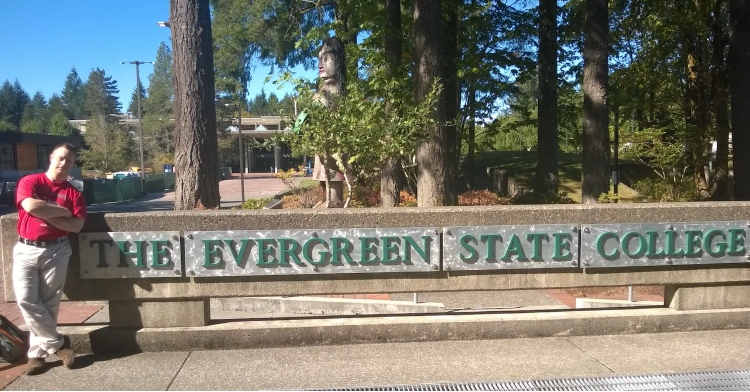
<point x="240" y="105"/>
<point x="140" y="119"/>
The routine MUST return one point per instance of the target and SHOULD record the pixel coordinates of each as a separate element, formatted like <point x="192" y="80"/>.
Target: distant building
<point x="24" y="153"/>
<point x="262" y="160"/>
<point x="126" y="119"/>
<point x="260" y="128"/>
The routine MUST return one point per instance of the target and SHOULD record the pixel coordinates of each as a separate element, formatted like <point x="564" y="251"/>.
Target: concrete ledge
<point x="588" y="303"/>
<point x="322" y="306"/>
<point x="354" y="330"/>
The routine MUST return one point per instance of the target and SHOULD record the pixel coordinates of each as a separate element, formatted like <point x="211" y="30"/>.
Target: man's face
<point x="328" y="66"/>
<point x="62" y="160"/>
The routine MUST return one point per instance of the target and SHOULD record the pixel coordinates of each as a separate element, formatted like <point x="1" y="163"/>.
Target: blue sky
<point x="43" y="40"/>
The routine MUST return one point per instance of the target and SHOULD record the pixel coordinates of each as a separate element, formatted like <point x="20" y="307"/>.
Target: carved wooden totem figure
<point x="332" y="72"/>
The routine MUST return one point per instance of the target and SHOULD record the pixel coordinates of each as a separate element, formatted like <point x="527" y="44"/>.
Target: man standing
<point x="49" y="208"/>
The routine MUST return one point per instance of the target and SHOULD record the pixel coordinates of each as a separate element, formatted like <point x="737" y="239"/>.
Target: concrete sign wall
<point x="146" y="254"/>
<point x="282" y="252"/>
<point x="344" y="251"/>
<point x="510" y="247"/>
<point x="633" y="245"/>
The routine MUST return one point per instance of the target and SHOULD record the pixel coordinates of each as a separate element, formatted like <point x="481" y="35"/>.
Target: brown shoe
<point x="65" y="353"/>
<point x="34" y="366"/>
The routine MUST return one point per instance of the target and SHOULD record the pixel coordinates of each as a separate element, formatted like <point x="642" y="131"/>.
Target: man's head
<point x="61" y="160"/>
<point x="332" y="59"/>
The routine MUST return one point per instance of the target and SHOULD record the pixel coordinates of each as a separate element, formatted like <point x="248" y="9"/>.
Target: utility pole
<point x="240" y="104"/>
<point x="140" y="119"/>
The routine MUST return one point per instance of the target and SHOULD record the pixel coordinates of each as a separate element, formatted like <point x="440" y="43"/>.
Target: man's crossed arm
<point x="57" y="216"/>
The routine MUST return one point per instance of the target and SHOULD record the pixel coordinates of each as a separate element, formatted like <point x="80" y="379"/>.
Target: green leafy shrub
<point x="256" y="204"/>
<point x="659" y="190"/>
<point x="609" y="197"/>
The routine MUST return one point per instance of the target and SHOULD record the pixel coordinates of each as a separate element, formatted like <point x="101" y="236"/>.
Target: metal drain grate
<point x="738" y="380"/>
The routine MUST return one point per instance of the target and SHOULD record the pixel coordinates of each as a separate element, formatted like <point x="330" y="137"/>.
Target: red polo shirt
<point x="40" y="187"/>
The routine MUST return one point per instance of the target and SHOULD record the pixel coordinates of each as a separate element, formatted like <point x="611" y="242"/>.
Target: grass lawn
<point x="522" y="164"/>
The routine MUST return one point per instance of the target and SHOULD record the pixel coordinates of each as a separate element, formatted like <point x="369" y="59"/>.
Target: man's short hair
<point x="67" y="146"/>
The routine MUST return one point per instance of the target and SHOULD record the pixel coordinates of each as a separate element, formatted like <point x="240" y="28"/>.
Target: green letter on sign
<point x="138" y="253"/>
<point x="308" y="247"/>
<point x="642" y="246"/>
<point x="562" y="242"/>
<point x="736" y="242"/>
<point x="238" y="256"/>
<point x="341" y="246"/>
<point x="721" y="246"/>
<point x="286" y="252"/>
<point x="390" y="246"/>
<point x="514" y="246"/>
<point x="410" y="244"/>
<point x="210" y="253"/>
<point x="536" y="243"/>
<point x="264" y="251"/>
<point x="465" y="241"/>
<point x="159" y="251"/>
<point x="601" y="240"/>
<point x="367" y="245"/>
<point x="102" y="256"/>
<point x="693" y="243"/>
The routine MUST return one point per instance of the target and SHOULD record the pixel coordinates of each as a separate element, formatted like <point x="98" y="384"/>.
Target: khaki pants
<point x="38" y="280"/>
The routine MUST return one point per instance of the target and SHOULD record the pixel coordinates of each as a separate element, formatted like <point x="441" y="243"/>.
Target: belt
<point x="42" y="244"/>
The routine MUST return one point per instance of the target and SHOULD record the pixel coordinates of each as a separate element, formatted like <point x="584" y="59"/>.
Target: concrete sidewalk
<point x="369" y="365"/>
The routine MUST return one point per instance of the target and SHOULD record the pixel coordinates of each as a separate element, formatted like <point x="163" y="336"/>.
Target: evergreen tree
<point x="595" y="168"/>
<point x="73" y="96"/>
<point x="59" y="125"/>
<point x="546" y="179"/>
<point x="56" y="105"/>
<point x="259" y="105"/>
<point x="434" y="30"/>
<point x="739" y="49"/>
<point x="196" y="145"/>
<point x="110" y="145"/>
<point x="101" y="94"/>
<point x="133" y="107"/>
<point x="158" y="125"/>
<point x="13" y="100"/>
<point x="287" y="106"/>
<point x="160" y="90"/>
<point x="35" y="115"/>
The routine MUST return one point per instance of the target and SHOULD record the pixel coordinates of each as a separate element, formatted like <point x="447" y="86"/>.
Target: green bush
<point x="256" y="204"/>
<point x="659" y="190"/>
<point x="543" y="198"/>
<point x="609" y="197"/>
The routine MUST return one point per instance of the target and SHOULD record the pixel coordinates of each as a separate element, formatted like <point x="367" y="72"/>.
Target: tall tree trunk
<point x="391" y="177"/>
<point x="739" y="89"/>
<point x="721" y="184"/>
<point x="471" y="142"/>
<point x="595" y="171"/>
<point x="451" y="97"/>
<point x="196" y="146"/>
<point x="698" y="127"/>
<point x="546" y="168"/>
<point x="435" y="161"/>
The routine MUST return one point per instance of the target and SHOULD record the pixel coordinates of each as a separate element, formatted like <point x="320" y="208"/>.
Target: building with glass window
<point x="258" y="160"/>
<point x="24" y="153"/>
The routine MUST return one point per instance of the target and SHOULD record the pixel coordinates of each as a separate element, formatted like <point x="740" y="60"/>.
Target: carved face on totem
<point x="327" y="64"/>
<point x="331" y="60"/>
